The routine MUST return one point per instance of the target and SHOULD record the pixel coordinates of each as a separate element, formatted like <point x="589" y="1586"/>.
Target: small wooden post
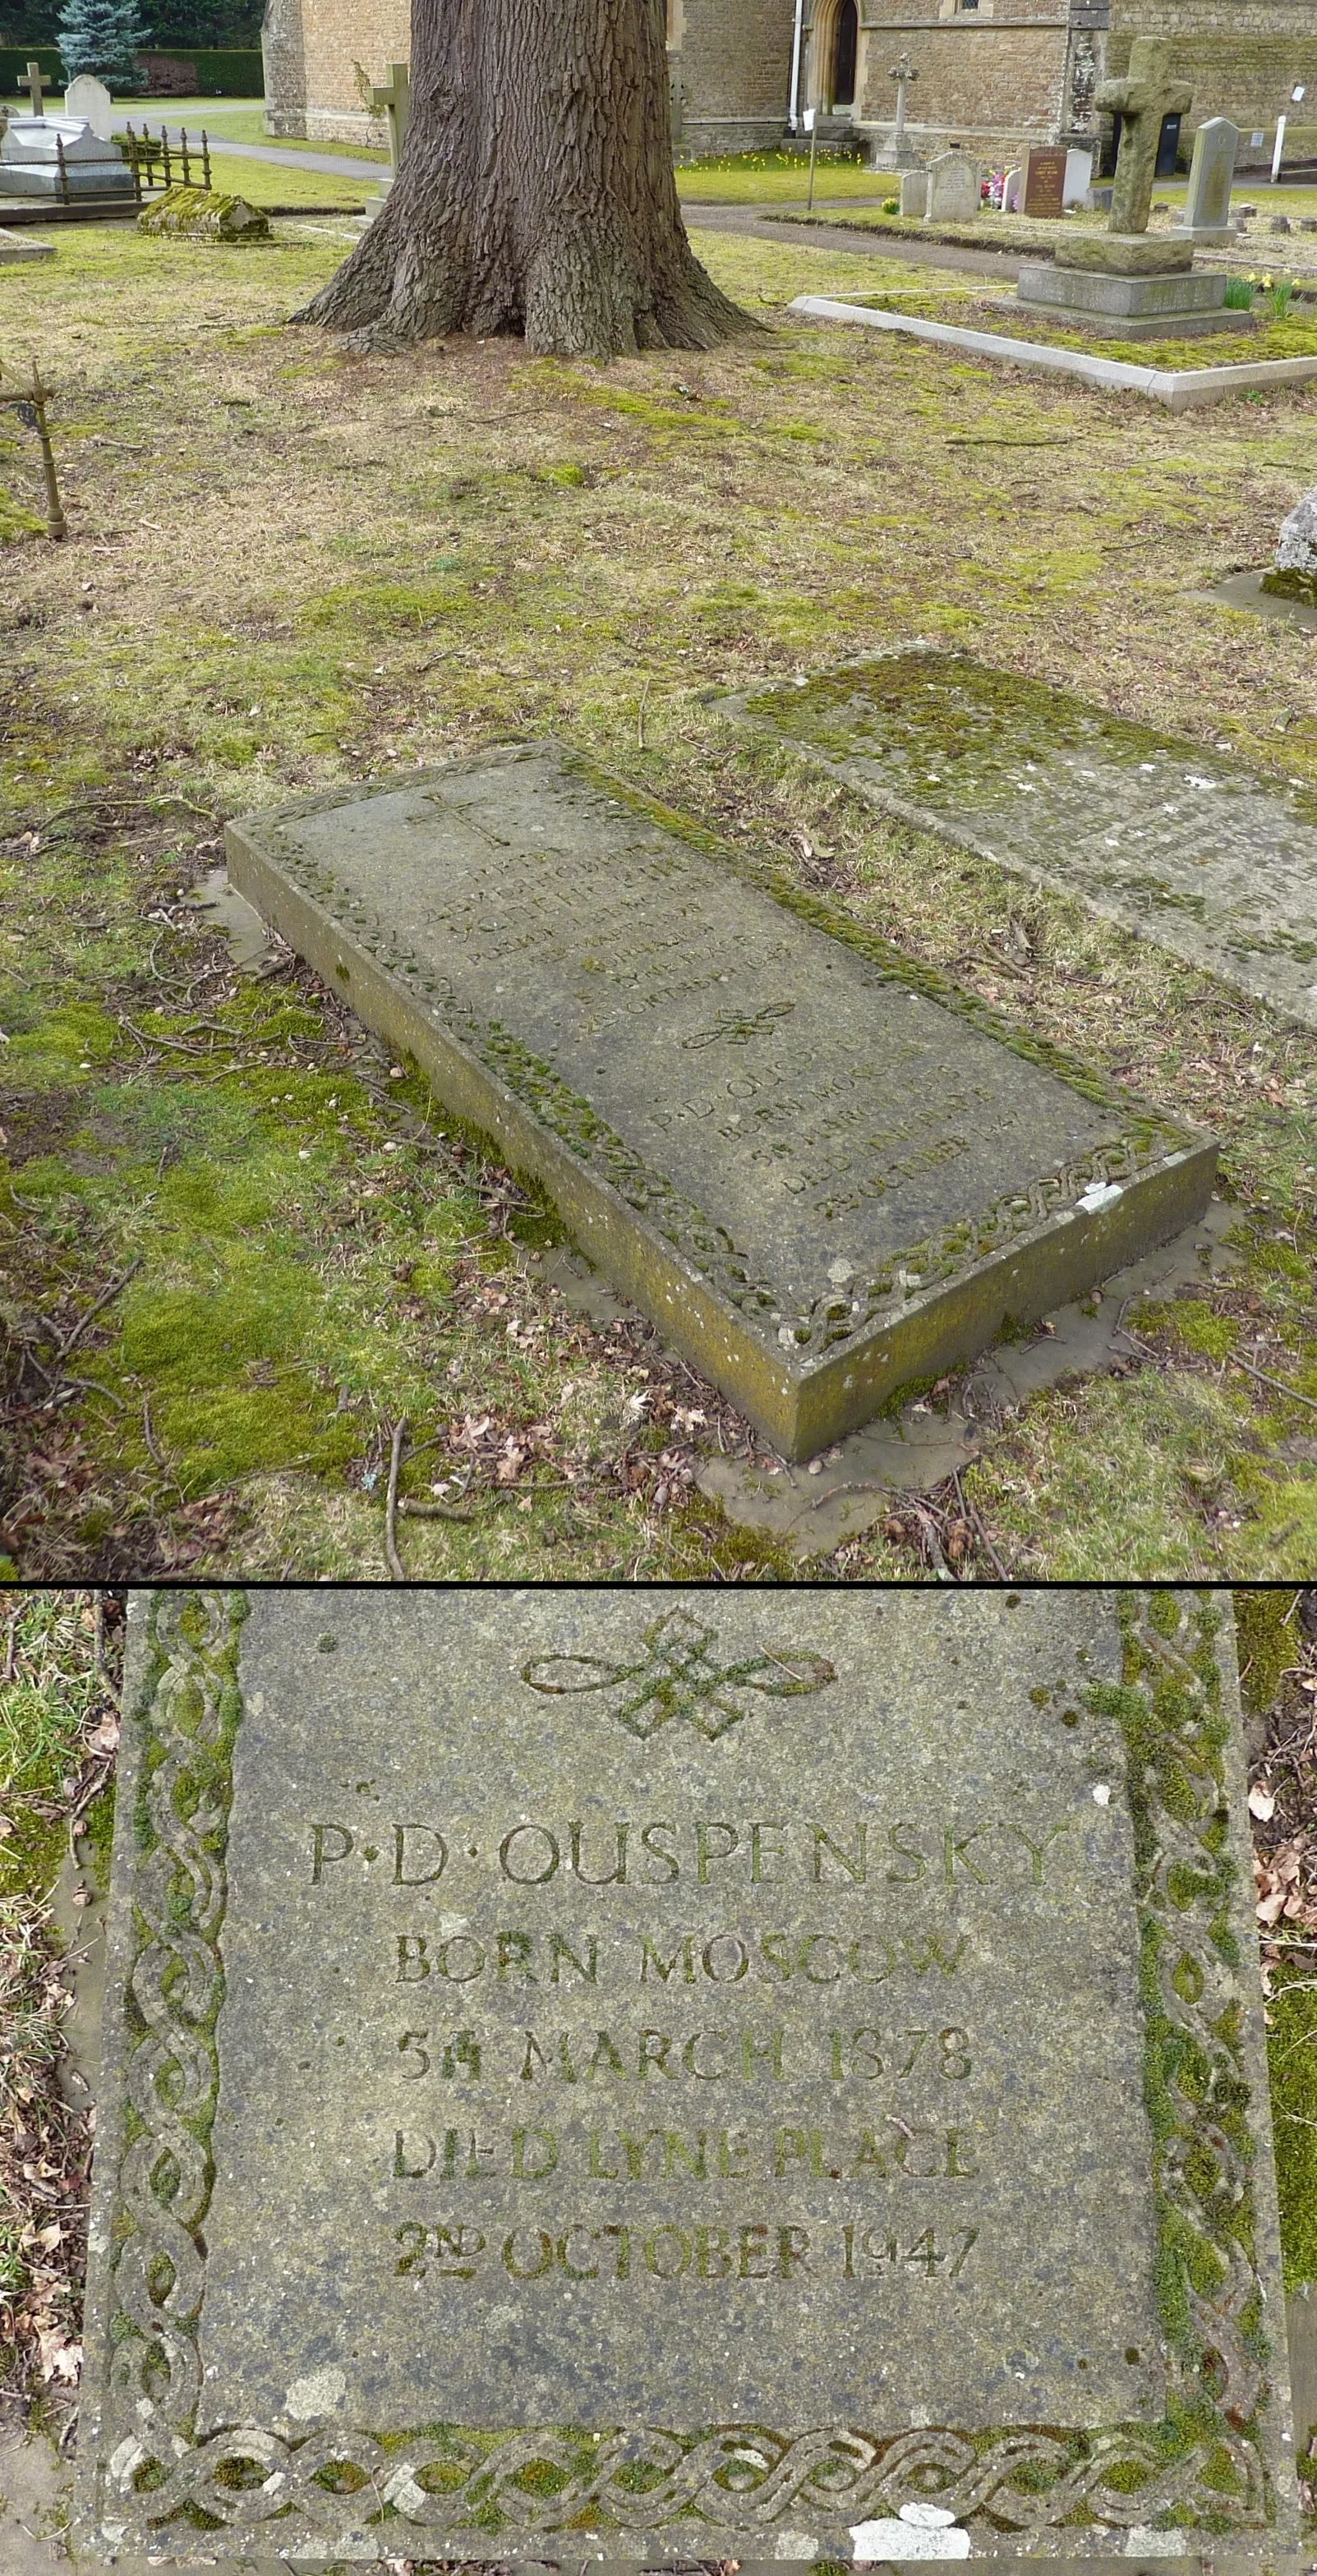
<point x="164" y="148"/>
<point x="135" y="165"/>
<point x="56" y="523"/>
<point x="205" y="161"/>
<point x="187" y="169"/>
<point x="63" y="173"/>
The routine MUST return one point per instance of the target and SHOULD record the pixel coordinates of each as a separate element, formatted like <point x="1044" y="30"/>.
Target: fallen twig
<point x="1277" y="1382"/>
<point x="397" y="1435"/>
<point x="93" y="1310"/>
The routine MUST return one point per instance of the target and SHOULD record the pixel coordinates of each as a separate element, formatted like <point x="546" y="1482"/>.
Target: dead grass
<point x="291" y="567"/>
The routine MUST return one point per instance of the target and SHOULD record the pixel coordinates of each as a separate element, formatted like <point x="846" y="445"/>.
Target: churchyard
<point x="291" y="569"/>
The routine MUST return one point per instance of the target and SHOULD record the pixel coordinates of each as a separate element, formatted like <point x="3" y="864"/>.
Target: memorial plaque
<point x="820" y="1170"/>
<point x="1044" y="180"/>
<point x="664" y="2074"/>
<point x="1177" y="842"/>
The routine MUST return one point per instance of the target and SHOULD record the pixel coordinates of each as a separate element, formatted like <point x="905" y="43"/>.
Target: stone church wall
<point x="995" y="76"/>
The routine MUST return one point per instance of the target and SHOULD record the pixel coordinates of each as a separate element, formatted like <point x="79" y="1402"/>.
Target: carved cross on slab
<point x="1141" y="100"/>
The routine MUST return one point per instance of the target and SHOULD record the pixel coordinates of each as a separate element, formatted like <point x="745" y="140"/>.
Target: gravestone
<point x="88" y="100"/>
<point x="812" y="1175"/>
<point x="1206" y="214"/>
<point x="1010" y="192"/>
<point x="623" y="2074"/>
<point x="1178" y="843"/>
<point x="1078" y="174"/>
<point x="1128" y="283"/>
<point x="59" y="157"/>
<point x="1143" y="99"/>
<point x="1044" y="181"/>
<point x="914" y="192"/>
<point x="953" y="187"/>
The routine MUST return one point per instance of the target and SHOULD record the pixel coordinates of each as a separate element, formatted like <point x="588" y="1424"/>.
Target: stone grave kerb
<point x="1141" y="98"/>
<point x="1140" y="1723"/>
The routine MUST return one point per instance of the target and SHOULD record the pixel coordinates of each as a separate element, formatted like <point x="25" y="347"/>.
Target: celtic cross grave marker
<point x="598" y="2074"/>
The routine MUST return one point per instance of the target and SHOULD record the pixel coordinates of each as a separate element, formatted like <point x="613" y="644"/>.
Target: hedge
<point x="222" y="71"/>
<point x="14" y="60"/>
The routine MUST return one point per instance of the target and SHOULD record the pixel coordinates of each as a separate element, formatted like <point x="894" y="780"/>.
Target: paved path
<point x="1002" y="264"/>
<point x="336" y="165"/>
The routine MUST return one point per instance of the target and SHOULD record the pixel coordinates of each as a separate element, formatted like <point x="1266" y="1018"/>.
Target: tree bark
<point x="534" y="192"/>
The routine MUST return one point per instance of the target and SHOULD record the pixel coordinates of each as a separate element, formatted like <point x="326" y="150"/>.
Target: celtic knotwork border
<point x="1201" y="2468"/>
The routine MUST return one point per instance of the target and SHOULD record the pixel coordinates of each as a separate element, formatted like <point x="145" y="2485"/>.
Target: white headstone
<point x="953" y="188"/>
<point x="1010" y="192"/>
<point x="88" y="99"/>
<point x="1078" y="175"/>
<point x="914" y="192"/>
<point x="1211" y="176"/>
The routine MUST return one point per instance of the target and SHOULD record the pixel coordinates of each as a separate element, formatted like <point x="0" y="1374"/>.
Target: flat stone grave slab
<point x="1216" y="862"/>
<point x="821" y="1172"/>
<point x="601" y="2073"/>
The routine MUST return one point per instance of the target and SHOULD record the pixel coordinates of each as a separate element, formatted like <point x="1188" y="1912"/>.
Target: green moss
<point x="1264" y="1626"/>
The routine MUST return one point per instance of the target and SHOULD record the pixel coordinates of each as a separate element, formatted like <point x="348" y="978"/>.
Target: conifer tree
<point x="101" y="36"/>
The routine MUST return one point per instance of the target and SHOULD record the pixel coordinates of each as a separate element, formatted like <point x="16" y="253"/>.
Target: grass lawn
<point x="241" y="121"/>
<point x="270" y="183"/>
<point x="967" y="307"/>
<point x="290" y="567"/>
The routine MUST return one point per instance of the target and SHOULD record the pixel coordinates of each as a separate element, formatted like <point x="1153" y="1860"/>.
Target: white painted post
<point x="797" y="38"/>
<point x="1280" y="146"/>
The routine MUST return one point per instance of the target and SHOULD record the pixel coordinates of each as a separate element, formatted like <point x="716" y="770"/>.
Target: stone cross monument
<point x="902" y="72"/>
<point x="392" y="99"/>
<point x="33" y="86"/>
<point x="1141" y="100"/>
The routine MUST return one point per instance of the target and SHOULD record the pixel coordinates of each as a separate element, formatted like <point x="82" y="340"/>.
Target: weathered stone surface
<point x="818" y="1180"/>
<point x="1084" y="291"/>
<point x="205" y="215"/>
<point x="953" y="188"/>
<point x="1296" y="550"/>
<point x="1206" y="215"/>
<point x="1125" y="254"/>
<point x="1179" y="843"/>
<point x="634" y="2074"/>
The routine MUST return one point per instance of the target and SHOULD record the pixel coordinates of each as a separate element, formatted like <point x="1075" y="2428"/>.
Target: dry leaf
<point x="105" y="1737"/>
<point x="1261" y="1802"/>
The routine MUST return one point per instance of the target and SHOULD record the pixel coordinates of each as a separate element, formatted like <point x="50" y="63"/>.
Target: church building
<point x="994" y="75"/>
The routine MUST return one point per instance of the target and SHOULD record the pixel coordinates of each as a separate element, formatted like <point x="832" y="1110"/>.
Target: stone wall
<point x="981" y="79"/>
<point x="1241" y="58"/>
<point x="311" y="50"/>
<point x="730" y="64"/>
<point x="995" y="77"/>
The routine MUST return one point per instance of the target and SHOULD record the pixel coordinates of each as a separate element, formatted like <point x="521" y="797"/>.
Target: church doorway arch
<point x="845" y="50"/>
<point x="834" y="55"/>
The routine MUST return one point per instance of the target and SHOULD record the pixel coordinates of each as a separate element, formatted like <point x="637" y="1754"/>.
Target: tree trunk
<point x="535" y="190"/>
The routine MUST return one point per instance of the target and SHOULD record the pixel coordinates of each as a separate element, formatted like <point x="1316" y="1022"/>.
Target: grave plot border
<point x="147" y="2482"/>
<point x="1180" y="389"/>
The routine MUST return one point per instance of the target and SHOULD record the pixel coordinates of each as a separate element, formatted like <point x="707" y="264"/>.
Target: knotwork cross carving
<point x="678" y="1675"/>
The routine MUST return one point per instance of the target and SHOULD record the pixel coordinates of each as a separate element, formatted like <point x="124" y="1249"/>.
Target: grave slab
<point x="637" y="2074"/>
<point x="1213" y="860"/>
<point x="817" y="1168"/>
